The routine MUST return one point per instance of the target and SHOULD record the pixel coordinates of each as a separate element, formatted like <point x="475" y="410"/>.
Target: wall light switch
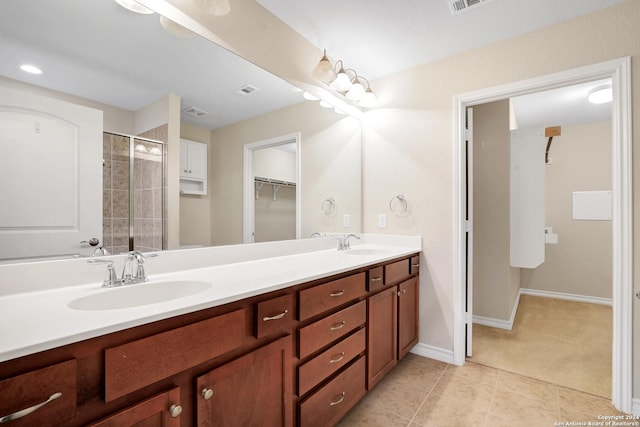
<point x="346" y="220"/>
<point x="382" y="221"/>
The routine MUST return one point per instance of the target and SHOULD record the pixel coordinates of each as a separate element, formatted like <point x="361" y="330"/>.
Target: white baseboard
<point x="570" y="297"/>
<point x="432" y="352"/>
<point x="635" y="406"/>
<point x="500" y="323"/>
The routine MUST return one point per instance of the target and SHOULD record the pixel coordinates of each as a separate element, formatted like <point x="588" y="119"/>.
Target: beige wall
<point x="195" y="211"/>
<point x="330" y="167"/>
<point x="495" y="282"/>
<point x="580" y="263"/>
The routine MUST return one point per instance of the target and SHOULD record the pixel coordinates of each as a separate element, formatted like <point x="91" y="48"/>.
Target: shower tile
<point x="120" y="232"/>
<point x="106" y="146"/>
<point x="120" y="204"/>
<point x="106" y="203"/>
<point x="157" y="203"/>
<point x="107" y="174"/>
<point x="120" y="175"/>
<point x="120" y="151"/>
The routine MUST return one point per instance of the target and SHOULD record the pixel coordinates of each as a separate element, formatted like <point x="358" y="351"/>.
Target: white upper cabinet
<point x="193" y="167"/>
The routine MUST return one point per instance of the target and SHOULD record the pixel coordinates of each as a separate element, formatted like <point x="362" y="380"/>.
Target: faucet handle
<point x="111" y="277"/>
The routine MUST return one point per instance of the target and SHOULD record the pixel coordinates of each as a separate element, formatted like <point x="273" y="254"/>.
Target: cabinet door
<point x="253" y="390"/>
<point x="162" y="410"/>
<point x="184" y="156"/>
<point x="408" y="296"/>
<point x="382" y="341"/>
<point x="197" y="160"/>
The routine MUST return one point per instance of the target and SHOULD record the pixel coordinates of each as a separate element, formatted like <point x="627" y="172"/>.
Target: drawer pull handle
<point x="339" y="401"/>
<point x="175" y="410"/>
<point x="337" y="359"/>
<point x="337" y="326"/>
<point x="276" y="317"/>
<point x="415" y="265"/>
<point x="376" y="279"/>
<point x="206" y="393"/>
<point x="337" y="293"/>
<point x="29" y="410"/>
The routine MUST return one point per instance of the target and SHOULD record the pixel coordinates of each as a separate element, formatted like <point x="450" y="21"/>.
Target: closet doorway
<point x="272" y="189"/>
<point x="621" y="223"/>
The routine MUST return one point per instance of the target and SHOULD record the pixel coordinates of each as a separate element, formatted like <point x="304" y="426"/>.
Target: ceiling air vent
<point x="247" y="89"/>
<point x="195" y="112"/>
<point x="458" y="6"/>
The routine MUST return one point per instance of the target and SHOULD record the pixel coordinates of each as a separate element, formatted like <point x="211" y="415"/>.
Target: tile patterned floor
<point x="563" y="342"/>
<point x="424" y="392"/>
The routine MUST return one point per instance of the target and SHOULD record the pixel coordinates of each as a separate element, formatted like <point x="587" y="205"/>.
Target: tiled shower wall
<point x="148" y="195"/>
<point x="115" y="196"/>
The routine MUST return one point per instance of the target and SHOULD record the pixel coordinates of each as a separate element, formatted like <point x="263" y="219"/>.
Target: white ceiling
<point x="97" y="50"/>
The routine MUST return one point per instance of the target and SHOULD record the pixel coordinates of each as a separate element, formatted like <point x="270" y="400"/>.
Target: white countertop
<point x="34" y="321"/>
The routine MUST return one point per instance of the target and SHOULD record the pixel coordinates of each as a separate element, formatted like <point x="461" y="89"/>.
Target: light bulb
<point x="324" y="70"/>
<point x="31" y="69"/>
<point x="368" y="99"/>
<point x="309" y="97"/>
<point x="175" y="29"/>
<point x="325" y="104"/>
<point x="356" y="92"/>
<point x="342" y="83"/>
<point x="134" y="6"/>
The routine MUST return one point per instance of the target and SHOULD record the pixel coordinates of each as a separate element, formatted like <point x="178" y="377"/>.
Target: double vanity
<point x="274" y="334"/>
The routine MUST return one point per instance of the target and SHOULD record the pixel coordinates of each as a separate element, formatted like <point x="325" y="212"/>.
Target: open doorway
<point x="619" y="72"/>
<point x="272" y="189"/>
<point x="531" y="320"/>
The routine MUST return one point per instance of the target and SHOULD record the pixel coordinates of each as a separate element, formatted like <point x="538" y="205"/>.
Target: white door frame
<point x="249" y="185"/>
<point x="619" y="70"/>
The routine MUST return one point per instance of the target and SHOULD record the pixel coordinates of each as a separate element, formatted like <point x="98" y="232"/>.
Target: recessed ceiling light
<point x="600" y="95"/>
<point x="134" y="6"/>
<point x="31" y="69"/>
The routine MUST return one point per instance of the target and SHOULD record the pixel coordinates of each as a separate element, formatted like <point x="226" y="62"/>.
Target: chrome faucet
<point x="343" y="241"/>
<point x="128" y="275"/>
<point x="315" y="233"/>
<point x="111" y="279"/>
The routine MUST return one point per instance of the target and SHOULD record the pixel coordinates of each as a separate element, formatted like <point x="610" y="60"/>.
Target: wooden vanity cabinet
<point x="392" y="318"/>
<point x="300" y="356"/>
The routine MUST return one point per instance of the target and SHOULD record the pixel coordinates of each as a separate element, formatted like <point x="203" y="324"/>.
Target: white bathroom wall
<point x="580" y="264"/>
<point x="275" y="163"/>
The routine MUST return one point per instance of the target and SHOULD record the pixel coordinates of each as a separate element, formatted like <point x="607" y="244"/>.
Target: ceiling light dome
<point x="369" y="99"/>
<point x="600" y="95"/>
<point x="216" y="7"/>
<point x="324" y="70"/>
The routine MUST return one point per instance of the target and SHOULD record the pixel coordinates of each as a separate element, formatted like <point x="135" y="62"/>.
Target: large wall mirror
<point x="157" y="84"/>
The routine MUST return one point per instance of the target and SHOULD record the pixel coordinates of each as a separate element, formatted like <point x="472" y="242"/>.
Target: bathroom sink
<point x="136" y="295"/>
<point x="365" y="251"/>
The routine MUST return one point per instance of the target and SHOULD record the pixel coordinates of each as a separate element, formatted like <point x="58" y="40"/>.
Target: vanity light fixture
<point x="600" y="95"/>
<point x="345" y="81"/>
<point x="175" y="29"/>
<point x="134" y="6"/>
<point x="31" y="69"/>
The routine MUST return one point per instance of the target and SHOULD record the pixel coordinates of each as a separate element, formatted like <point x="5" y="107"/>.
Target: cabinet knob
<point x="207" y="393"/>
<point x="175" y="410"/>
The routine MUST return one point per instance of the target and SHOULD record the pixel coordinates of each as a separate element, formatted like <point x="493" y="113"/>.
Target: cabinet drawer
<point x="318" y="334"/>
<point x="274" y="316"/>
<point x="396" y="271"/>
<point x="415" y="264"/>
<point x="329" y="295"/>
<point x="320" y="367"/>
<point x="134" y="365"/>
<point x="56" y="383"/>
<point x="326" y="406"/>
<point x="375" y="278"/>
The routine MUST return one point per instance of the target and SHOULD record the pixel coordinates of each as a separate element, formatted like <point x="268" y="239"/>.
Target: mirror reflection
<point x="168" y="89"/>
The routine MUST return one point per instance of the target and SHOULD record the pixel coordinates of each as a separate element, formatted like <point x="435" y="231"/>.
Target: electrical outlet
<point x="346" y="220"/>
<point x="382" y="221"/>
